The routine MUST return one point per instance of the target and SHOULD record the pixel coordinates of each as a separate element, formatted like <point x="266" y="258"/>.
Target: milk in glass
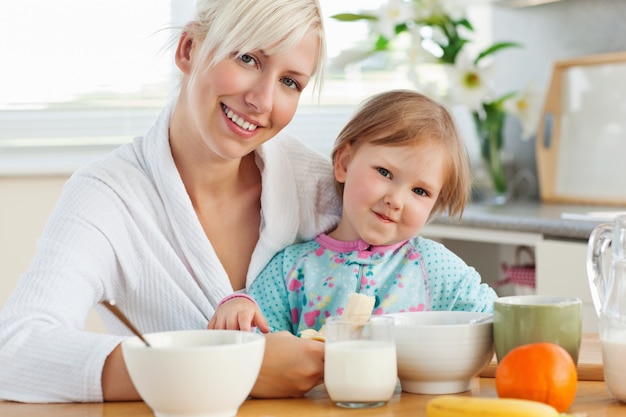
<point x="360" y="367"/>
<point x="614" y="360"/>
<point x="360" y="371"/>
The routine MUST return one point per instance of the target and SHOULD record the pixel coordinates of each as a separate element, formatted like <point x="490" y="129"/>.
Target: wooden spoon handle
<point x="110" y="304"/>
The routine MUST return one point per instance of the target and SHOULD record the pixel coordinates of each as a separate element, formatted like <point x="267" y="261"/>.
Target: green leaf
<point x="353" y="17"/>
<point x="505" y="97"/>
<point x="402" y="27"/>
<point x="496" y="106"/>
<point x="382" y="43"/>
<point x="452" y="50"/>
<point x="465" y="23"/>
<point x="495" y="48"/>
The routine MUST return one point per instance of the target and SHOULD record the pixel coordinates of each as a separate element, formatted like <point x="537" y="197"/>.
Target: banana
<point x="358" y="305"/>
<point x="313" y="334"/>
<point x="462" y="406"/>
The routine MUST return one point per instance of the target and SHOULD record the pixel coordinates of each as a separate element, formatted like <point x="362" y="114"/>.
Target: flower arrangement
<point x="438" y="32"/>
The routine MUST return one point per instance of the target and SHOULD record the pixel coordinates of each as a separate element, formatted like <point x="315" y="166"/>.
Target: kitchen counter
<point x="532" y="217"/>
<point x="488" y="236"/>
<point x="589" y="367"/>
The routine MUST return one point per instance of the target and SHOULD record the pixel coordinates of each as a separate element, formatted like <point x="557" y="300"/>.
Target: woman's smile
<point x="238" y="120"/>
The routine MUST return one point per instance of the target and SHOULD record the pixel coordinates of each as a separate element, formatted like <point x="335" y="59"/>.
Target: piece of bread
<point x="359" y="305"/>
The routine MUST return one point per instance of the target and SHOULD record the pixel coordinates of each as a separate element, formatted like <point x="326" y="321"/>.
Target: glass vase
<point x="490" y="130"/>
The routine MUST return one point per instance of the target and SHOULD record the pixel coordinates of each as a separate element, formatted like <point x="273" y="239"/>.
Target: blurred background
<point x="78" y="78"/>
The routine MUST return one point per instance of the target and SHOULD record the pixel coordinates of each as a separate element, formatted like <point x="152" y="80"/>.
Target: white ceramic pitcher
<point x="606" y="270"/>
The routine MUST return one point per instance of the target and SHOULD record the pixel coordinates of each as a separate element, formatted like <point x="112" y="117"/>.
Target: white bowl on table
<point x="439" y="352"/>
<point x="207" y="373"/>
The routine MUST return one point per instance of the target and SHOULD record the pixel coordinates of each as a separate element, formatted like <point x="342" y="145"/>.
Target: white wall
<point x="552" y="32"/>
<point x="549" y="33"/>
<point x="25" y="205"/>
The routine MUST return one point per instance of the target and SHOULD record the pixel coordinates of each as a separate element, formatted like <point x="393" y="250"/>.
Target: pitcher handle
<point x="597" y="273"/>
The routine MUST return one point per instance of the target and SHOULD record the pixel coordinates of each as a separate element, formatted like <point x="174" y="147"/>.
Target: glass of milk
<point x="360" y="368"/>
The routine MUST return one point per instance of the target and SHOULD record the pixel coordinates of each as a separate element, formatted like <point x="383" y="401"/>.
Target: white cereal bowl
<point x="439" y="352"/>
<point x="199" y="373"/>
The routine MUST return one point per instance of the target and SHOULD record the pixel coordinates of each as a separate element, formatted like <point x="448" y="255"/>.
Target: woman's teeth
<point x="238" y="120"/>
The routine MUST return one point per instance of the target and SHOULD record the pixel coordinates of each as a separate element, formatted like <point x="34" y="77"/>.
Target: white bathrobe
<point x="125" y="229"/>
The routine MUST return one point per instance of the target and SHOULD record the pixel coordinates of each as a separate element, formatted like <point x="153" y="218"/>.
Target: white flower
<point x="454" y="8"/>
<point x="416" y="53"/>
<point x="425" y="9"/>
<point x="393" y="13"/>
<point x="438" y="35"/>
<point x="433" y="41"/>
<point x="526" y="107"/>
<point x="468" y="83"/>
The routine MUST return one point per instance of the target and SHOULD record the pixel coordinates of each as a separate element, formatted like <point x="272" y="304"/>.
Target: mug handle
<point x="597" y="272"/>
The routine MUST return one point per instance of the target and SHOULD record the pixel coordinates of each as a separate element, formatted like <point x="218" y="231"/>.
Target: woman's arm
<point x="291" y="366"/>
<point x="116" y="382"/>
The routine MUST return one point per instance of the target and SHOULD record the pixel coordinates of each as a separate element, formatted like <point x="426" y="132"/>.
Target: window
<point x="83" y="72"/>
<point x="72" y="53"/>
<point x="92" y="74"/>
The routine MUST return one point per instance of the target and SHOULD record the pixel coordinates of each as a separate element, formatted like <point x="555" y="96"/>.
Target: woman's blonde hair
<point x="228" y="26"/>
<point x="404" y="117"/>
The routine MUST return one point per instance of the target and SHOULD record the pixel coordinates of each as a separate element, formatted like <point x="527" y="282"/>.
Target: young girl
<point x="398" y="163"/>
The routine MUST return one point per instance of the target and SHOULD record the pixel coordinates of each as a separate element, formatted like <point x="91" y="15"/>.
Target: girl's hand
<point x="238" y="314"/>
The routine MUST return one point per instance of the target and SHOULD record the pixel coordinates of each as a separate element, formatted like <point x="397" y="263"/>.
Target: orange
<point x="541" y="371"/>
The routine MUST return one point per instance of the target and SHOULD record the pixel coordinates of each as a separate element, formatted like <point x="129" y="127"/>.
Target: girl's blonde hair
<point x="404" y="117"/>
<point x="228" y="26"/>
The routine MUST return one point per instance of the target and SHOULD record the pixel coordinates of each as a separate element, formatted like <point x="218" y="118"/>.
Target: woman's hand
<point x="291" y="366"/>
<point x="239" y="313"/>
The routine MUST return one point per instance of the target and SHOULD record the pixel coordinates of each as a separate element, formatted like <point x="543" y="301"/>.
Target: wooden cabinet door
<point x="561" y="270"/>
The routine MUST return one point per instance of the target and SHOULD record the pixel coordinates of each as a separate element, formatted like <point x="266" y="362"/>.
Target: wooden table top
<point x="592" y="400"/>
<point x="589" y="365"/>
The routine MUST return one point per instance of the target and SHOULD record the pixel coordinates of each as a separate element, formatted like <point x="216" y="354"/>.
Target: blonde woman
<point x="177" y="220"/>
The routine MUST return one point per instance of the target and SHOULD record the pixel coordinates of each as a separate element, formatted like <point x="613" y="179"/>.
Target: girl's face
<point x="389" y="191"/>
<point x="240" y="103"/>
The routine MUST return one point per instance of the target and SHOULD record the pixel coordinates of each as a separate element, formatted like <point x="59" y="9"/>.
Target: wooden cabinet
<point x="561" y="270"/>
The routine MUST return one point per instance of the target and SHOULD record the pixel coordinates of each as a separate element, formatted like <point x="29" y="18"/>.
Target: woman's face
<point x="243" y="101"/>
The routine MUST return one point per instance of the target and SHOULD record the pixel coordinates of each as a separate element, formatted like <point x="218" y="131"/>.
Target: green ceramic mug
<point x="523" y="319"/>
